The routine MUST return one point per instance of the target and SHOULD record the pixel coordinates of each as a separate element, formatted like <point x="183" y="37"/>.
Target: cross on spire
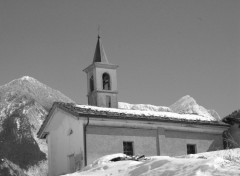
<point x="98" y="31"/>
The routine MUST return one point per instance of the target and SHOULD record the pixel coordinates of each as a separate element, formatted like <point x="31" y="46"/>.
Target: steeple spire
<point x="101" y="79"/>
<point x="100" y="55"/>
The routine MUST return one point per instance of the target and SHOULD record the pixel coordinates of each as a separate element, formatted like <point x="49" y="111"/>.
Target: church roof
<point x="100" y="55"/>
<point x="112" y="113"/>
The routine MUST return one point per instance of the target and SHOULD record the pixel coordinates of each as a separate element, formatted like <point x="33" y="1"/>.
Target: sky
<point x="165" y="49"/>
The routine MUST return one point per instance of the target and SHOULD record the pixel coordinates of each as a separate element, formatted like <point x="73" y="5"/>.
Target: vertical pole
<point x="157" y="143"/>
<point x="85" y="142"/>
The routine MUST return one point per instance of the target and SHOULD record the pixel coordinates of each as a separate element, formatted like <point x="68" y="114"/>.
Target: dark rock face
<point x="24" y="104"/>
<point x="17" y="143"/>
<point x="7" y="168"/>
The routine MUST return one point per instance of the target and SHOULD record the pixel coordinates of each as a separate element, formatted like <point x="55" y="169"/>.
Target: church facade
<point x="79" y="134"/>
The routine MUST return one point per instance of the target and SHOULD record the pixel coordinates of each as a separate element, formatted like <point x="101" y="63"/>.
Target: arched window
<point x="106" y="81"/>
<point x="91" y="84"/>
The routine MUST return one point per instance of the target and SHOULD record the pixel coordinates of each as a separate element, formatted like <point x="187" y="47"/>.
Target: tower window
<point x="91" y="84"/>
<point x="191" y="149"/>
<point x="106" y="81"/>
<point x="128" y="148"/>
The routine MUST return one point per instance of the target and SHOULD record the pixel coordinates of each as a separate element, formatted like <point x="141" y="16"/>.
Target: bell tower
<point x="101" y="80"/>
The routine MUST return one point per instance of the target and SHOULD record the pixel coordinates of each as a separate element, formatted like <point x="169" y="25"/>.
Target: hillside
<point x="24" y="104"/>
<point x="9" y="168"/>
<point x="232" y="118"/>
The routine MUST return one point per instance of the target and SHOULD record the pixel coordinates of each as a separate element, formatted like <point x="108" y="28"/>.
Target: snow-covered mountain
<point x="143" y="107"/>
<point x="24" y="104"/>
<point x="214" y="114"/>
<point x="185" y="105"/>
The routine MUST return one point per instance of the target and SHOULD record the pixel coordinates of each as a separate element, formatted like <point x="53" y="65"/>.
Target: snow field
<point x="218" y="163"/>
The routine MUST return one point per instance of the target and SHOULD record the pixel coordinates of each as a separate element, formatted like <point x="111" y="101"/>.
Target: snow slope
<point x="218" y="163"/>
<point x="143" y="107"/>
<point x="187" y="105"/>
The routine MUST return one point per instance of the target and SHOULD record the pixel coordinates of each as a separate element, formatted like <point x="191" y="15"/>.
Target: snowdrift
<point x="219" y="163"/>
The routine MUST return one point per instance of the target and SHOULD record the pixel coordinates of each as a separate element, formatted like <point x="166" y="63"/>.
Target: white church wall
<point x="156" y="141"/>
<point x="108" y="140"/>
<point x="102" y="99"/>
<point x="175" y="142"/>
<point x="65" y="144"/>
<point x="106" y="136"/>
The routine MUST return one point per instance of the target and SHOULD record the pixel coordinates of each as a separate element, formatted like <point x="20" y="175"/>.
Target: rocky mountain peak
<point x="32" y="88"/>
<point x="188" y="105"/>
<point x="24" y="104"/>
<point x="28" y="78"/>
<point x="184" y="104"/>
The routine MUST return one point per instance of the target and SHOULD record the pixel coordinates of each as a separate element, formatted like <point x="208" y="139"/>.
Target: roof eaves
<point x="80" y="111"/>
<point x="115" y="115"/>
<point x="40" y="133"/>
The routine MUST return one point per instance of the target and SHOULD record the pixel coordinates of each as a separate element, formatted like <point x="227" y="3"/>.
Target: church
<point x="77" y="135"/>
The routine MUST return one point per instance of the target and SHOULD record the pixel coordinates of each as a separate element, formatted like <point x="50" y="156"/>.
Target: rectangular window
<point x="191" y="149"/>
<point x="108" y="101"/>
<point x="91" y="84"/>
<point x="128" y="148"/>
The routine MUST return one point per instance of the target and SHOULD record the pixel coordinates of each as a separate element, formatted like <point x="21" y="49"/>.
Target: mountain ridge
<point x="185" y="105"/>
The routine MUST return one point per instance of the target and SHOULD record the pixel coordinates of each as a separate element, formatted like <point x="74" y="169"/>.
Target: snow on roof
<point x="139" y="113"/>
<point x="103" y="112"/>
